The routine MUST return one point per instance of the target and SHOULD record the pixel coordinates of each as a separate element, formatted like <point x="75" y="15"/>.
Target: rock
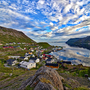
<point x="45" y="78"/>
<point x="44" y="86"/>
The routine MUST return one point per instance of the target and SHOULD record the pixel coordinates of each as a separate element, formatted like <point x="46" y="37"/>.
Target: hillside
<point x="11" y="35"/>
<point x="44" y="44"/>
<point x="80" y="42"/>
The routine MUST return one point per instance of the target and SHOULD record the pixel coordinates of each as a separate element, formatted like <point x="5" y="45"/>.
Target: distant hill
<point x="11" y="35"/>
<point x="44" y="44"/>
<point x="80" y="42"/>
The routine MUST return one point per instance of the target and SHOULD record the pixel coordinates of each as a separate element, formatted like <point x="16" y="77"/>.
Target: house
<point x="49" y="60"/>
<point x="36" y="60"/>
<point x="30" y="53"/>
<point x="11" y="62"/>
<point x="14" y="57"/>
<point x="27" y="55"/>
<point x="52" y="65"/>
<point x="89" y="78"/>
<point x="47" y="55"/>
<point x="1" y="44"/>
<point x="27" y="65"/>
<point x="44" y="58"/>
<point x="24" y="58"/>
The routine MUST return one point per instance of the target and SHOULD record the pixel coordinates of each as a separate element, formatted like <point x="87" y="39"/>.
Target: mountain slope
<point x="11" y="35"/>
<point x="80" y="42"/>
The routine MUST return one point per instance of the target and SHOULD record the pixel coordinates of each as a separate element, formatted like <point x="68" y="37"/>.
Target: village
<point x="33" y="58"/>
<point x="19" y="61"/>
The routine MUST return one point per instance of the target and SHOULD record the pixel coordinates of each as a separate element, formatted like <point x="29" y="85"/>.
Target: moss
<point x="44" y="80"/>
<point x="66" y="85"/>
<point x="81" y="88"/>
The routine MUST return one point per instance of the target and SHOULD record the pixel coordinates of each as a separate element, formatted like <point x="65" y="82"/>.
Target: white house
<point x="11" y="62"/>
<point x="27" y="65"/>
<point x="16" y="57"/>
<point x="36" y="60"/>
<point x="49" y="60"/>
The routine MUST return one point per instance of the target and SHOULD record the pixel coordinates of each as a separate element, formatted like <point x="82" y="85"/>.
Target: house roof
<point x="49" y="59"/>
<point x="33" y="58"/>
<point x="10" y="61"/>
<point x="51" y="64"/>
<point x="25" y="63"/>
<point x="22" y="57"/>
<point x="31" y="61"/>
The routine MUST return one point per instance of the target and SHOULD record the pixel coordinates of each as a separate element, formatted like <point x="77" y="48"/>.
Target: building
<point x="49" y="60"/>
<point x="11" y="62"/>
<point x="14" y="57"/>
<point x="27" y="65"/>
<point x="36" y="60"/>
<point x="23" y="58"/>
<point x="52" y="65"/>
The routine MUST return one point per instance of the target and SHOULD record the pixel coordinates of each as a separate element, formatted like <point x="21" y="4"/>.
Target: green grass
<point x="7" y="70"/>
<point x="81" y="88"/>
<point x="44" y="44"/>
<point x="11" y="36"/>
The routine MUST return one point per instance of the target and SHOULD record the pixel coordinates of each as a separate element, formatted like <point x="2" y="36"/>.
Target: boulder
<point x="45" y="78"/>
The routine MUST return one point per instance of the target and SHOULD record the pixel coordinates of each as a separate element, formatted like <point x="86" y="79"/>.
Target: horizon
<point x="47" y="20"/>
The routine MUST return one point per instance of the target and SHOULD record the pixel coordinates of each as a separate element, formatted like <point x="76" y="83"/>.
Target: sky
<point x="47" y="20"/>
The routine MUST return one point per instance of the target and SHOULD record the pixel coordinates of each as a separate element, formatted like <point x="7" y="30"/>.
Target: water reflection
<point x="74" y="54"/>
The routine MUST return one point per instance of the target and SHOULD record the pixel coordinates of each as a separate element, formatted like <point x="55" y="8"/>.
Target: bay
<point x="74" y="54"/>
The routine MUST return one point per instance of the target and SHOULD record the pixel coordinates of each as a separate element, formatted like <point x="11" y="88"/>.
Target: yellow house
<point x="30" y="52"/>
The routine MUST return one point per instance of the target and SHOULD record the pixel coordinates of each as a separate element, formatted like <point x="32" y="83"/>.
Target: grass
<point x="7" y="70"/>
<point x="81" y="88"/>
<point x="44" y="44"/>
<point x="29" y="88"/>
<point x="13" y="38"/>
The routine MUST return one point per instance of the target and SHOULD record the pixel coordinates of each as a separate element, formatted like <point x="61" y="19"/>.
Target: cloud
<point x="47" y="19"/>
<point x="13" y="13"/>
<point x="54" y="27"/>
<point x="68" y="7"/>
<point x="42" y="22"/>
<point x="41" y="1"/>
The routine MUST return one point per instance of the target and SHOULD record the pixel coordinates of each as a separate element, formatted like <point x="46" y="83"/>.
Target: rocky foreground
<point x="44" y="79"/>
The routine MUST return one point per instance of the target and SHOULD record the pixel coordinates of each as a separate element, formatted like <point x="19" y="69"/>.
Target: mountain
<point x="80" y="42"/>
<point x="11" y="35"/>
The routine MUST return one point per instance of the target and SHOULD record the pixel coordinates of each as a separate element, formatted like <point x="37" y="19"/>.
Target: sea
<point x="74" y="54"/>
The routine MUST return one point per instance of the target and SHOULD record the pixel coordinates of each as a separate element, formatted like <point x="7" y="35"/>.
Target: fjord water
<point x="74" y="54"/>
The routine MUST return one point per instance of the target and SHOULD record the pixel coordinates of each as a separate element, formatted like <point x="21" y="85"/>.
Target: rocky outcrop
<point x="45" y="78"/>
